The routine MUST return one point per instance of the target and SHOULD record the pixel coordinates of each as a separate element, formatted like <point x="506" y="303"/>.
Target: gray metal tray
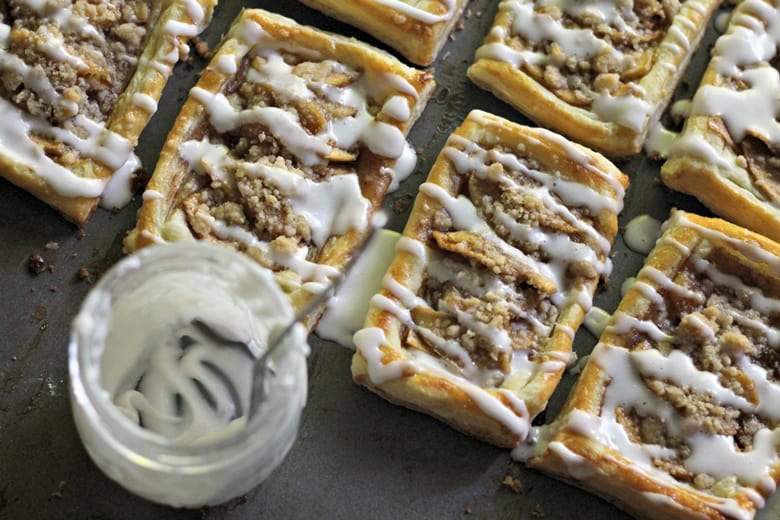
<point x="356" y="455"/>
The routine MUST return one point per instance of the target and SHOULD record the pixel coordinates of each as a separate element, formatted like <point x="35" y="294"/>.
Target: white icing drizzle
<point x="183" y="28"/>
<point x="369" y="341"/>
<point x="681" y="108"/>
<point x="225" y="64"/>
<point x="316" y="275"/>
<point x="36" y="80"/>
<point x="118" y="190"/>
<point x="145" y="102"/>
<point x="743" y="56"/>
<point x="722" y="21"/>
<point x="284" y="125"/>
<point x="331" y="207"/>
<point x="627" y="372"/>
<point x="404" y="166"/>
<point x="630" y="109"/>
<point x="381" y="138"/>
<point x="561" y="250"/>
<point x="150" y="194"/>
<point x="582" y="158"/>
<point x="558" y="195"/>
<point x="334" y="205"/>
<point x="54" y="47"/>
<point x="94" y="140"/>
<point x="63" y="17"/>
<point x="100" y="144"/>
<point x="626" y="285"/>
<point x="397" y="107"/>
<point x="622" y="323"/>
<point x="421" y="15"/>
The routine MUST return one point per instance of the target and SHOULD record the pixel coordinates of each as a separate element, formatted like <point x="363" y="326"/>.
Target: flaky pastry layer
<point x="418" y="30"/>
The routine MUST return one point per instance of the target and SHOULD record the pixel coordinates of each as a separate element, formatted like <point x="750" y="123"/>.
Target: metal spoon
<point x="260" y="368"/>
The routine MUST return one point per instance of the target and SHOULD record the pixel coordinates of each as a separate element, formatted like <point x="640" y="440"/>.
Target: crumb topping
<point x="55" y="71"/>
<point x="611" y="54"/>
<point x="490" y="284"/>
<point x="239" y="198"/>
<point x="710" y="313"/>
<point x="294" y="149"/>
<point x="736" y="106"/>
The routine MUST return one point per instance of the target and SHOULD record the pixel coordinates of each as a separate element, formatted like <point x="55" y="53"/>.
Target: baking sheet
<point x="356" y="455"/>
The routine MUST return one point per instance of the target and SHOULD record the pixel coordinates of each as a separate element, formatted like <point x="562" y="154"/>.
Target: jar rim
<point x="132" y="439"/>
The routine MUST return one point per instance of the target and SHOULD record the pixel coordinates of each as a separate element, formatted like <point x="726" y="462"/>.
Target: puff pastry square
<point x="599" y="72"/>
<point x="677" y="411"/>
<point x="728" y="153"/>
<point x="498" y="263"/>
<point x="79" y="82"/>
<point x="285" y="149"/>
<point x="418" y="29"/>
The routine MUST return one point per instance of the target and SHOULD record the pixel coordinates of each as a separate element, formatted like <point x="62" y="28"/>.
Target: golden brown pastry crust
<point x="499" y="405"/>
<point x="736" y="177"/>
<point x="634" y="92"/>
<point x="168" y="213"/>
<point x="127" y="119"/>
<point x="691" y="303"/>
<point x="417" y="37"/>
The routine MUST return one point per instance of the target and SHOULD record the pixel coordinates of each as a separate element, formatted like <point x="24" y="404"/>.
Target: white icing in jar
<point x="160" y="363"/>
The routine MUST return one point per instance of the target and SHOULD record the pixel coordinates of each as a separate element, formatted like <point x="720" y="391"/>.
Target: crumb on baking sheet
<point x="84" y="274"/>
<point x="402" y="203"/>
<point x="57" y="493"/>
<point x="512" y="483"/>
<point x="36" y="264"/>
<point x="202" y="48"/>
<point x="38" y="314"/>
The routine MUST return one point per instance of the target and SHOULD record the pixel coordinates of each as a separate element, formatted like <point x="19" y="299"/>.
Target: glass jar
<point x="169" y="424"/>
